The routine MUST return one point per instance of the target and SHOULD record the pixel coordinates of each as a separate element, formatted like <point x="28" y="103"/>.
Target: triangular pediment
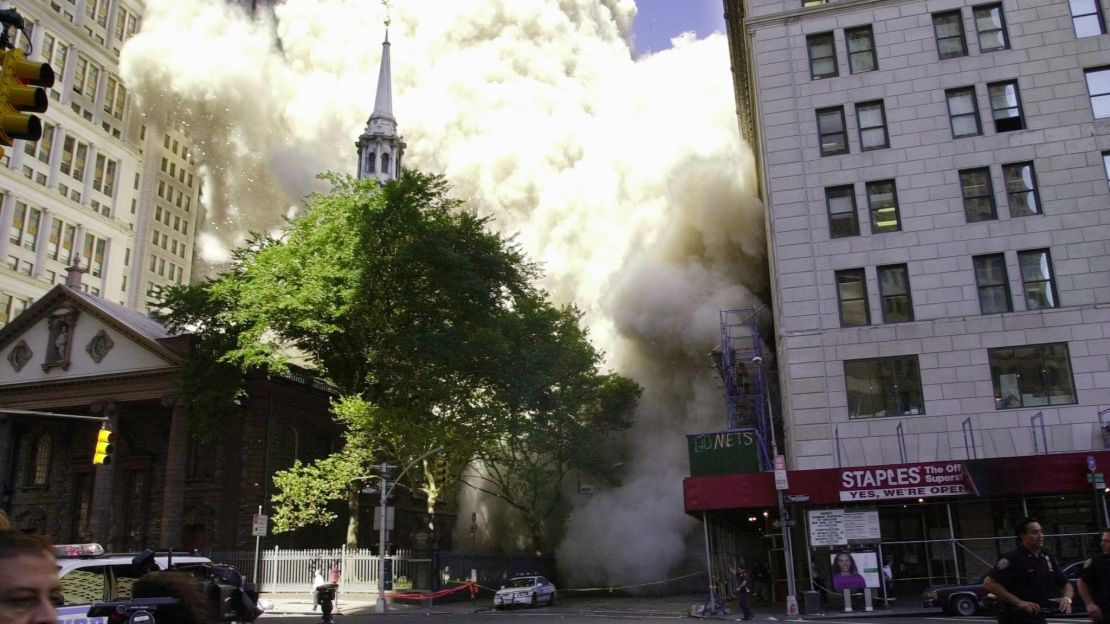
<point x="69" y="335"/>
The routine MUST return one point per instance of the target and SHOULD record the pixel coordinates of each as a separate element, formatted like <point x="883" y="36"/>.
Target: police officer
<point x="1094" y="582"/>
<point x="1021" y="579"/>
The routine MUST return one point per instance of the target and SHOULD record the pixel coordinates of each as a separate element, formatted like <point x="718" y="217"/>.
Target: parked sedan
<point x="956" y="599"/>
<point x="525" y="590"/>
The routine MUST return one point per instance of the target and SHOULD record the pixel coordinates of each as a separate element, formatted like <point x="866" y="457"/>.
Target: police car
<point x="525" y="590"/>
<point x="88" y="575"/>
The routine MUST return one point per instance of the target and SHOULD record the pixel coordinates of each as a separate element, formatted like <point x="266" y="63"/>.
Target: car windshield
<point x="523" y="582"/>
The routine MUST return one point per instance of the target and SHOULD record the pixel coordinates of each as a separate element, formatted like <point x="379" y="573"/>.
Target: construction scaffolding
<point x="740" y="361"/>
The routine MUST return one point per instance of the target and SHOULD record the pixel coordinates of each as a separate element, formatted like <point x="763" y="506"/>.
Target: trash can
<point x="812" y="602"/>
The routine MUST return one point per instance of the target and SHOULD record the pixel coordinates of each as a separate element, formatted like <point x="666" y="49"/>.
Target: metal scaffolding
<point x="739" y="360"/>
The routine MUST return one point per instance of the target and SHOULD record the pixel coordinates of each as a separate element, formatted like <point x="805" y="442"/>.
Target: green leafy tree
<point x="404" y="301"/>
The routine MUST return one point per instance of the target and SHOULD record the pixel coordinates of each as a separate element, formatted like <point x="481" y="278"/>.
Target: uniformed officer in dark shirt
<point x="1094" y="582"/>
<point x="1023" y="577"/>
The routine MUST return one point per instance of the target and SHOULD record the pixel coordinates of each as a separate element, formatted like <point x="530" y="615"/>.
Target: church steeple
<point x="380" y="148"/>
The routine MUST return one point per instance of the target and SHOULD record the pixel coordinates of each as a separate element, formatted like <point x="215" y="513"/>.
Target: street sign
<point x="258" y="525"/>
<point x="388" y="518"/>
<point x="779" y="524"/>
<point x="781" y="482"/>
<point x="797" y="498"/>
<point x="1091" y="465"/>
<point x="780" y="462"/>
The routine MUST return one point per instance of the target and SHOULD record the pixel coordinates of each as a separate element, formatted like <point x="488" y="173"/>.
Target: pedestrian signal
<point x="105" y="444"/>
<point x="22" y="91"/>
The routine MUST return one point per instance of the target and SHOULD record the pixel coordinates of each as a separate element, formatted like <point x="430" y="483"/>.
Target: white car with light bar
<point x="89" y="576"/>
<point x="525" y="590"/>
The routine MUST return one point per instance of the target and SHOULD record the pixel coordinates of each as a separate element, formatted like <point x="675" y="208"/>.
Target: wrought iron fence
<point x="290" y="571"/>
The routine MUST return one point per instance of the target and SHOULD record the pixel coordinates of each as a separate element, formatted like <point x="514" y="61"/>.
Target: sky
<point x="659" y="21"/>
<point x="622" y="174"/>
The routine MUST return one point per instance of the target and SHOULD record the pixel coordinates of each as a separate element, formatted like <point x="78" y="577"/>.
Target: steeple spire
<point x="380" y="147"/>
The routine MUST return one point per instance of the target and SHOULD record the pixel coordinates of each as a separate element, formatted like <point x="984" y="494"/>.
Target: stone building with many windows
<point x="935" y="178"/>
<point x="105" y="183"/>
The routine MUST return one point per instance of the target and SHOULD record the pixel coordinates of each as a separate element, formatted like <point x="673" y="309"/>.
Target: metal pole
<point x="257" y="544"/>
<point x="1105" y="512"/>
<point x="787" y="541"/>
<point x="381" y="607"/>
<point x="952" y="538"/>
<point x="708" y="562"/>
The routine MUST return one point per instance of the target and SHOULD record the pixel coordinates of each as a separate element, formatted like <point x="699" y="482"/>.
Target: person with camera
<point x="29" y="586"/>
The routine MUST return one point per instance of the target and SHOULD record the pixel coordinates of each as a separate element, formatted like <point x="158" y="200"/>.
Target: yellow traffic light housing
<point x="105" y="444"/>
<point x="22" y="91"/>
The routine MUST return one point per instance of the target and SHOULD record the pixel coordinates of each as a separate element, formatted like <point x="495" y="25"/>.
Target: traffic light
<point x="22" y="91"/>
<point x="105" y="444"/>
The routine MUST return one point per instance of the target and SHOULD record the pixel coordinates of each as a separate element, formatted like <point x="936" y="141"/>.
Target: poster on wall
<point x="854" y="570"/>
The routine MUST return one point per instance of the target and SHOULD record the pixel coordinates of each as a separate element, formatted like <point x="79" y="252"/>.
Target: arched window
<point x="370" y="158"/>
<point x="385" y="163"/>
<point x="40" y="460"/>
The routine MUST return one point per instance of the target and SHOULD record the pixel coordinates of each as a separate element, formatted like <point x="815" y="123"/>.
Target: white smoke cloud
<point x="625" y="177"/>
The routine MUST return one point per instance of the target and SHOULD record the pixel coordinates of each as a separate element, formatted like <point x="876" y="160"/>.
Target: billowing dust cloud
<point x="625" y="177"/>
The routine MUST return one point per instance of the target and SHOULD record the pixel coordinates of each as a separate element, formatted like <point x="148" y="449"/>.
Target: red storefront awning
<point x="1002" y="476"/>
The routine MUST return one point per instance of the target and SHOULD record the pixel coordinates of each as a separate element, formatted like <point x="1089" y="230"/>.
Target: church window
<point x="370" y="158"/>
<point x="40" y="461"/>
<point x="385" y="163"/>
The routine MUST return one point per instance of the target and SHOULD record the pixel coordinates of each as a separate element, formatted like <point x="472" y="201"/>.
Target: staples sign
<point x="903" y="481"/>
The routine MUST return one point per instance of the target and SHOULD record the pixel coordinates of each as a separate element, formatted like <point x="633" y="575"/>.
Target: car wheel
<point x="551" y="600"/>
<point x="964" y="605"/>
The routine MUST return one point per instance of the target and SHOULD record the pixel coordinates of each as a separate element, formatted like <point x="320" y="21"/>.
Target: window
<point x="861" y="49"/>
<point x="385" y="165"/>
<point x="872" y="125"/>
<point x="991" y="26"/>
<point x="894" y="291"/>
<point x="1037" y="280"/>
<point x="1098" y="84"/>
<point x="1021" y="189"/>
<point x="40" y="461"/>
<point x="93" y="255"/>
<point x="1086" y="17"/>
<point x="822" y="56"/>
<point x="949" y="30"/>
<point x="963" y="112"/>
<point x="843" y="220"/>
<point x="115" y="98"/>
<point x="1106" y="166"/>
<point x="60" y="245"/>
<point x="993" y="284"/>
<point x="45" y="142"/>
<point x="831" y="132"/>
<point x="851" y="291"/>
<point x="883" y="387"/>
<point x="25" y="226"/>
<point x="85" y="77"/>
<point x="1031" y="376"/>
<point x="882" y="201"/>
<point x="85" y="585"/>
<point x="975" y="185"/>
<point x="1005" y="106"/>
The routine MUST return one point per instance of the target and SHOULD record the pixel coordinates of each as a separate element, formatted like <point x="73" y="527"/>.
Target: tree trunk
<point x="353" y="509"/>
<point x="535" y="525"/>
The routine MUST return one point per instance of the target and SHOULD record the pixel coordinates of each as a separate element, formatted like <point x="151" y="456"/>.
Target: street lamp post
<point x="387" y="489"/>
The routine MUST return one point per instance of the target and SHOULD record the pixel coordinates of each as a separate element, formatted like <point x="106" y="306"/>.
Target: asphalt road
<point x="570" y="614"/>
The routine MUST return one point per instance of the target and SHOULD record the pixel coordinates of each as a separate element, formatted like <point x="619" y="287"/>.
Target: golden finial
<point x="385" y="3"/>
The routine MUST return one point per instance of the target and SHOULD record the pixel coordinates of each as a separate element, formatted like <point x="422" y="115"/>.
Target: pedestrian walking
<point x="742" y="581"/>
<point x="1094" y="581"/>
<point x="1022" y="579"/>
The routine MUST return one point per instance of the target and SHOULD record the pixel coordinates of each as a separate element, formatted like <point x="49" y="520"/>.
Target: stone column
<point x="173" y="492"/>
<point x="103" y="499"/>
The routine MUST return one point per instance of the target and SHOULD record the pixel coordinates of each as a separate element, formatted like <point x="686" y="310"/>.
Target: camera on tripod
<point x="135" y="611"/>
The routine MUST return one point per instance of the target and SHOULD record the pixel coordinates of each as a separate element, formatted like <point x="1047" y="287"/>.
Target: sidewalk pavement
<point x="364" y="603"/>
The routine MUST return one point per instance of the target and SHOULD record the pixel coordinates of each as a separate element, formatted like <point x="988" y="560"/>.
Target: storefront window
<point x="883" y="387"/>
<point x="1031" y="376"/>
